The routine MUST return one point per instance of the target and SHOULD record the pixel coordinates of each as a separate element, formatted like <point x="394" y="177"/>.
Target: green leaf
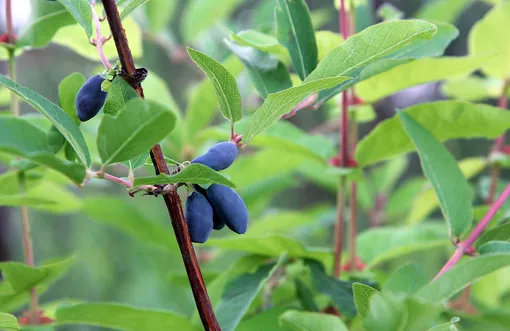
<point x="67" y="91"/>
<point x="119" y="94"/>
<point x="194" y="173"/>
<point x="127" y="218"/>
<point x="362" y="295"/>
<point x="278" y="104"/>
<point x="137" y="161"/>
<point x="81" y="11"/>
<point x="339" y="291"/>
<point x="389" y="12"/>
<point x="46" y="19"/>
<point x="369" y="45"/>
<point x="443" y="119"/>
<point x="269" y="245"/>
<point x="381" y="244"/>
<point x="224" y="83"/>
<point x="266" y="320"/>
<point x="263" y="42"/>
<point x="72" y="37"/>
<point x="13" y="300"/>
<point x="308" y="321"/>
<point x="159" y="13"/>
<point x="21" y="138"/>
<point x="450" y="326"/>
<point x="486" y="39"/>
<point x="426" y="201"/>
<point x="123" y="317"/>
<point x="240" y="292"/>
<point x="389" y="312"/>
<point x="267" y="73"/>
<point x="443" y="10"/>
<point x="422" y="71"/>
<point x="305" y="295"/>
<point x="129" y="6"/>
<point x="203" y="101"/>
<point x="500" y="233"/>
<point x="55" y="114"/>
<point x="408" y="280"/>
<point x="461" y="275"/>
<point x="441" y="169"/>
<point x="8" y="322"/>
<point x="294" y="30"/>
<point x="495" y="247"/>
<point x="199" y="15"/>
<point x="135" y="129"/>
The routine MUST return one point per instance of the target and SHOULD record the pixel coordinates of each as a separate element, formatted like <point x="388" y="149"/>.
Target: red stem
<point x="339" y="228"/>
<point x="8" y="18"/>
<point x="498" y="146"/>
<point x="172" y="199"/>
<point x="467" y="244"/>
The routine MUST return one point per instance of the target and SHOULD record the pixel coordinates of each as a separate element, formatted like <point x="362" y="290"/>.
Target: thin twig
<point x="25" y="221"/>
<point x="466" y="246"/>
<point x="498" y="145"/>
<point x="339" y="227"/>
<point x="172" y="199"/>
<point x="99" y="41"/>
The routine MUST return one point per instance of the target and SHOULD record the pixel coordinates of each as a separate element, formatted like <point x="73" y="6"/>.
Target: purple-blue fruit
<point x="218" y="223"/>
<point x="199" y="217"/>
<point x="90" y="98"/>
<point x="218" y="157"/>
<point x="228" y="207"/>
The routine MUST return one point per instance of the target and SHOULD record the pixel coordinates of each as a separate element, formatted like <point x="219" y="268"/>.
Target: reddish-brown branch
<point x="339" y="228"/>
<point x="172" y="199"/>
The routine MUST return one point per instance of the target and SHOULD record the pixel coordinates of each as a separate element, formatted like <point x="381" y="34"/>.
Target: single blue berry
<point x="229" y="207"/>
<point x="90" y="98"/>
<point x="218" y="157"/>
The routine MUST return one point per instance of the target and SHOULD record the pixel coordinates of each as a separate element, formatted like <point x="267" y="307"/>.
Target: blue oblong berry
<point x="218" y="157"/>
<point x="229" y="207"/>
<point x="199" y="217"/>
<point x="90" y="98"/>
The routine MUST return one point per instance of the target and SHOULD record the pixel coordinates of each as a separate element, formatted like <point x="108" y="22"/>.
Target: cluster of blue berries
<point x="90" y="98"/>
<point x="218" y="205"/>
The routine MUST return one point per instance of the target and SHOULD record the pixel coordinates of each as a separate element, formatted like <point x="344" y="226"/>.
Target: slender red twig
<point x="99" y="41"/>
<point x="498" y="145"/>
<point x="172" y="199"/>
<point x="339" y="228"/>
<point x="466" y="246"/>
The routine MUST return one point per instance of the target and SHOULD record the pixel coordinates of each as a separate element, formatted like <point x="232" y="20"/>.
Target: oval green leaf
<point x="137" y="127"/>
<point x="81" y="11"/>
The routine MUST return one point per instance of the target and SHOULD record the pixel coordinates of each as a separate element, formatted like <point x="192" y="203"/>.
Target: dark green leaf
<point x="441" y="169"/>
<point x="305" y="296"/>
<point x="137" y="161"/>
<point x="339" y="291"/>
<point x="271" y="78"/>
<point x="362" y="295"/>
<point x="278" y="104"/>
<point x="136" y="128"/>
<point x="224" y="83"/>
<point x="461" y="275"/>
<point x="81" y="11"/>
<point x="240" y="292"/>
<point x="500" y="233"/>
<point x="19" y="137"/>
<point x="443" y="119"/>
<point x="67" y="91"/>
<point x="495" y="247"/>
<point x="194" y="173"/>
<point x="119" y="94"/>
<point x="55" y="114"/>
<point x="123" y="317"/>
<point x="294" y="30"/>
